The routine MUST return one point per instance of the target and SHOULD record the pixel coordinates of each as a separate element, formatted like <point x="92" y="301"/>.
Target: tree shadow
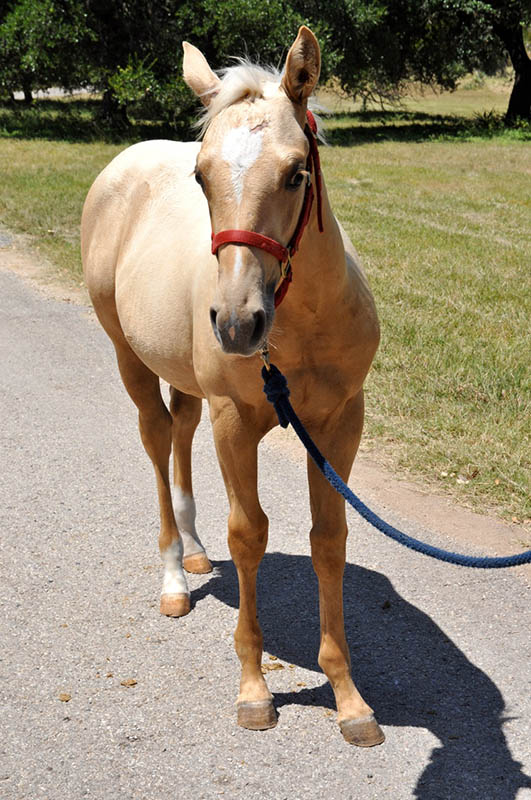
<point x="346" y="130"/>
<point x="403" y="664"/>
<point x="79" y="119"/>
<point x="74" y="120"/>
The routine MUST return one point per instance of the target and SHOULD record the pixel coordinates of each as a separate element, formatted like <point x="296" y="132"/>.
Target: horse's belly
<point x="155" y="304"/>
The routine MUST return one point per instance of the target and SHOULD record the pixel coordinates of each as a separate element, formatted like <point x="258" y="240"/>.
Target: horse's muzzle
<point x="239" y="333"/>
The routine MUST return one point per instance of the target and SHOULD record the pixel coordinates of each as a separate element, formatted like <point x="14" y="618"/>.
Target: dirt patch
<point x="17" y="255"/>
<point x="407" y="500"/>
<point x="378" y="487"/>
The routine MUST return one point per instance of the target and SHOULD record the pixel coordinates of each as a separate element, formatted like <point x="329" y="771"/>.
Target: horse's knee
<point x="328" y="550"/>
<point x="248" y="536"/>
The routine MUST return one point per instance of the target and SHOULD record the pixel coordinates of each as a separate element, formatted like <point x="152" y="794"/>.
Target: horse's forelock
<point x="244" y="80"/>
<point x="251" y="81"/>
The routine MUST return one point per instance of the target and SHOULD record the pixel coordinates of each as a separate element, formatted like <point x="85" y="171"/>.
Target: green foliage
<point x="138" y="89"/>
<point x="130" y="50"/>
<point x="43" y="43"/>
<point x="137" y="52"/>
<point x="134" y="82"/>
<point x="259" y="30"/>
<point x="381" y="45"/>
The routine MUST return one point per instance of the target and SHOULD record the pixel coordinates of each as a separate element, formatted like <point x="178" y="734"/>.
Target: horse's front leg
<point x="236" y="443"/>
<point x="328" y="542"/>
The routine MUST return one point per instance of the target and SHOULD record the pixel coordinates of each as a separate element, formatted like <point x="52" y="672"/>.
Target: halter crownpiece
<point x="281" y="252"/>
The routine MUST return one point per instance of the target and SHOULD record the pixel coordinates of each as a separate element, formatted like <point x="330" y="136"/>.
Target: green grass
<point x="436" y="198"/>
<point x="44" y="184"/>
<point x="445" y="237"/>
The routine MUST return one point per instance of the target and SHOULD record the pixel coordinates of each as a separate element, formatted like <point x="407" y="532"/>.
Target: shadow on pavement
<point x="402" y="662"/>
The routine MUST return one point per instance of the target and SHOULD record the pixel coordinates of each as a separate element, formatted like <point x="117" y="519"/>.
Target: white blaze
<point x="238" y="262"/>
<point x="241" y="147"/>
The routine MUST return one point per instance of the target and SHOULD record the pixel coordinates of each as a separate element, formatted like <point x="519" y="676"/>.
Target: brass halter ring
<point x="264" y="355"/>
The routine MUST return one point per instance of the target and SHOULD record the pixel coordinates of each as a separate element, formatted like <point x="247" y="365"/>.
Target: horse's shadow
<point x="403" y="664"/>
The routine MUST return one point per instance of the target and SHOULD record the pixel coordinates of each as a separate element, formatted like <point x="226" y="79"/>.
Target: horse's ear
<point x="303" y="66"/>
<point x="198" y="75"/>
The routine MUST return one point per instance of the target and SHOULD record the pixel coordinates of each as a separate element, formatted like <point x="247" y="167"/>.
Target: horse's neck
<point x="319" y="267"/>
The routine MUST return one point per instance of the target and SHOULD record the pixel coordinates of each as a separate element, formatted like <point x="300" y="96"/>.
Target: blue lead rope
<point x="277" y="392"/>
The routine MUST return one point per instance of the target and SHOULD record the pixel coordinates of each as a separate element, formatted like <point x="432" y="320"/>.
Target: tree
<point x="130" y="50"/>
<point x="508" y="20"/>
<point x="381" y="45"/>
<point x="42" y="44"/>
<point x="133" y="55"/>
<point x="136" y="54"/>
<point x="139" y="54"/>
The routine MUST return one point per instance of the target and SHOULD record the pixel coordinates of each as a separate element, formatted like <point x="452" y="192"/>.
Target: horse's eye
<point x="296" y="180"/>
<point x="199" y="178"/>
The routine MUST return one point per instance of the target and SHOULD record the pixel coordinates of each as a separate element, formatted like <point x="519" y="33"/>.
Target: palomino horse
<point x="198" y="320"/>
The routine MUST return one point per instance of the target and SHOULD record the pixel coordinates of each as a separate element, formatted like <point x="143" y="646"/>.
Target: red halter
<point x="282" y="253"/>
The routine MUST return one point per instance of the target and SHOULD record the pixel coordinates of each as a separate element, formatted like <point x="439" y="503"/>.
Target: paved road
<point x="442" y="653"/>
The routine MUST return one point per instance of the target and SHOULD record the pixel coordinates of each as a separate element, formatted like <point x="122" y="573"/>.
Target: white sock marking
<point x="184" y="508"/>
<point x="241" y="147"/>
<point x="174" y="581"/>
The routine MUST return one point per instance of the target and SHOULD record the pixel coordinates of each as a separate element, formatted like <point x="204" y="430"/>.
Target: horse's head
<point x="252" y="169"/>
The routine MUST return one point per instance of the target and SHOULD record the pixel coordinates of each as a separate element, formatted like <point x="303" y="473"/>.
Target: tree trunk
<point x="26" y="88"/>
<point x="520" y="99"/>
<point x="112" y="112"/>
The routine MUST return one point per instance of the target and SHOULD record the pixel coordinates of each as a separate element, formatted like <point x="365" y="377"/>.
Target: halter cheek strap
<point x="282" y="253"/>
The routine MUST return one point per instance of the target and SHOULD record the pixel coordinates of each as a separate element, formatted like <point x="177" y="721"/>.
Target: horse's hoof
<point x="364" y="732"/>
<point x="197" y="563"/>
<point x="174" y="605"/>
<point x="256" y="715"/>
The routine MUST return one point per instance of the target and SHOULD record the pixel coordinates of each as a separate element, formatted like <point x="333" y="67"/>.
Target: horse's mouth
<point x="244" y="339"/>
<point x="246" y="332"/>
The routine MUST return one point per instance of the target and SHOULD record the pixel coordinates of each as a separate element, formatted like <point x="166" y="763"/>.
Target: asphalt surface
<point x="441" y="653"/>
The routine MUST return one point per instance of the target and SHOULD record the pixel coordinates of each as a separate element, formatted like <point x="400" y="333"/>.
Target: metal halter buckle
<point x="285" y="267"/>
<point x="264" y="355"/>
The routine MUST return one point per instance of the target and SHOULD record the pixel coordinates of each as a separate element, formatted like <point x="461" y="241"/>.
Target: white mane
<point x="244" y="80"/>
<point x="249" y="81"/>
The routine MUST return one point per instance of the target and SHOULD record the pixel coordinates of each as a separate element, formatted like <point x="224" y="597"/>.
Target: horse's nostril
<point x="259" y="327"/>
<point x="213" y="317"/>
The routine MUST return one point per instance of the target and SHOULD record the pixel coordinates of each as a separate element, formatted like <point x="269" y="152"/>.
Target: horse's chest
<point x="319" y="392"/>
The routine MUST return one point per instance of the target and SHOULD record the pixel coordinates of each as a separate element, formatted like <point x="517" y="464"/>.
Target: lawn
<point x="435" y="195"/>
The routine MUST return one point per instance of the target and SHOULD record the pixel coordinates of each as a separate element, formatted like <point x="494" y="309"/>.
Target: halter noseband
<point x="282" y="253"/>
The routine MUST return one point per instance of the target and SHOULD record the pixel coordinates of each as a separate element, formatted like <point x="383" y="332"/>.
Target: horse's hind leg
<point x="186" y="413"/>
<point x="155" y="424"/>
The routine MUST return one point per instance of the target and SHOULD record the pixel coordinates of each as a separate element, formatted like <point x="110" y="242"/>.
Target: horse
<point x="188" y="249"/>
